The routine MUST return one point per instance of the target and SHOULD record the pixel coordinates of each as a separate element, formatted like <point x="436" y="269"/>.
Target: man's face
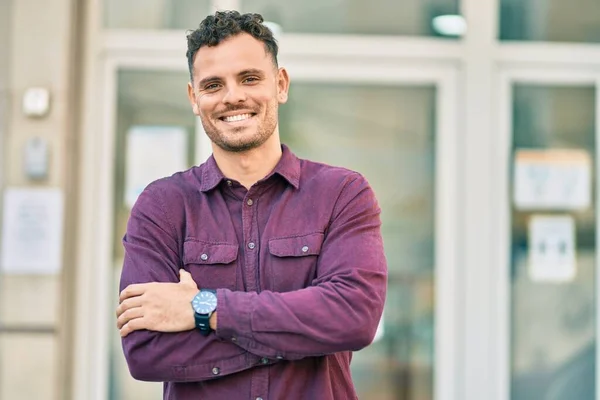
<point x="236" y="92"/>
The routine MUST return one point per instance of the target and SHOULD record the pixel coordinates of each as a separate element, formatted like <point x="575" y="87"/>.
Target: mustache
<point x="230" y="109"/>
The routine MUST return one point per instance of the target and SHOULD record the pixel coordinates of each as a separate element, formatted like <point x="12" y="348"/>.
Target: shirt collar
<point x="211" y="175"/>
<point x="288" y="167"/>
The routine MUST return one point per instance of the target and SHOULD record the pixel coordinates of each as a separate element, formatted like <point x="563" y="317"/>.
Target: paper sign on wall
<point x="32" y="231"/>
<point x="552" y="248"/>
<point x="552" y="179"/>
<point x="153" y="152"/>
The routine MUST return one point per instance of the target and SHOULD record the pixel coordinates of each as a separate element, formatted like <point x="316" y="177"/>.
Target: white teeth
<point x="235" y="118"/>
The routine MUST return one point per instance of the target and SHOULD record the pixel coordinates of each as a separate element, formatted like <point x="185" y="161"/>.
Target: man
<point x="256" y="274"/>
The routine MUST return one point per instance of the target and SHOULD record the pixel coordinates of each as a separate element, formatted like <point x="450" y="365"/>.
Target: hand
<point x="157" y="306"/>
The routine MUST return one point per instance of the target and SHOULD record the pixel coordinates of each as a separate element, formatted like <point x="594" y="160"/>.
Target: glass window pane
<point x="328" y="123"/>
<point x="550" y="20"/>
<point x="553" y="321"/>
<point x="152" y="105"/>
<point x="155" y="14"/>
<point x="383" y="17"/>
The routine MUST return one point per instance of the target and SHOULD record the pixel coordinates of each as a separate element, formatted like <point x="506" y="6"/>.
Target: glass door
<point x="550" y="141"/>
<point x="155" y="136"/>
<point x="397" y="128"/>
<point x="395" y="125"/>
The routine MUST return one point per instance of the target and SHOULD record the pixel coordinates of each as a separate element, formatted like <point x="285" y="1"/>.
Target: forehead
<point x="234" y="54"/>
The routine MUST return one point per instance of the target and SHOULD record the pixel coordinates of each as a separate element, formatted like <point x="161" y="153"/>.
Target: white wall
<point x="35" y="50"/>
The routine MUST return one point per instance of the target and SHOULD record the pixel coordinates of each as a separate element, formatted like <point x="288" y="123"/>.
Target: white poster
<point x="552" y="179"/>
<point x="32" y="231"/>
<point x="153" y="152"/>
<point x="552" y="256"/>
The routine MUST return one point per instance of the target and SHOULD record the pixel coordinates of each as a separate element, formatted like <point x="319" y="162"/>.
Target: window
<point x="380" y="17"/>
<point x="550" y="20"/>
<point x="553" y="317"/>
<point x="155" y="14"/>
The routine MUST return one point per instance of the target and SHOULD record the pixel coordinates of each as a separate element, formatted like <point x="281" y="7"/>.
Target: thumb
<point x="185" y="277"/>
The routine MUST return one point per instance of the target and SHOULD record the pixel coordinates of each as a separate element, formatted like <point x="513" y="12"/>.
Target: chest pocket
<point x="294" y="261"/>
<point x="212" y="265"/>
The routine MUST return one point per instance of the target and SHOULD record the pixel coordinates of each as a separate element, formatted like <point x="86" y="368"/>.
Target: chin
<point x="246" y="144"/>
<point x="239" y="139"/>
<point x="237" y="147"/>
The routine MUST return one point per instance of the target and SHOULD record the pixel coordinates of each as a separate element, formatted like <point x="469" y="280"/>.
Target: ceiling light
<point x="450" y="25"/>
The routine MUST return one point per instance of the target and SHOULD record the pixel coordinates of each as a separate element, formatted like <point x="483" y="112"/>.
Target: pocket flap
<point x="198" y="252"/>
<point x="297" y="246"/>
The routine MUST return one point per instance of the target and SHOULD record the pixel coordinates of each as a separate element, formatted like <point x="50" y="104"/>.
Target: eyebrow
<point x="250" y="71"/>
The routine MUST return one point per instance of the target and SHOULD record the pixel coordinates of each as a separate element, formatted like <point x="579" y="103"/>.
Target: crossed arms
<point x="340" y="311"/>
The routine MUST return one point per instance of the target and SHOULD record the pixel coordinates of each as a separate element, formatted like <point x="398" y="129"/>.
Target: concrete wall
<point x="36" y="49"/>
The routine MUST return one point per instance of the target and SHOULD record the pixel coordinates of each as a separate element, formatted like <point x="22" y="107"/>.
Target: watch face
<point x="204" y="302"/>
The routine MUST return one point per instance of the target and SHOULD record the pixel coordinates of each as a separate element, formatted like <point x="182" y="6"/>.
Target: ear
<point x="283" y="85"/>
<point x="192" y="98"/>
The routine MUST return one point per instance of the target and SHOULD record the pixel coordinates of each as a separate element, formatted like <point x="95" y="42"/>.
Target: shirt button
<point x="204" y="257"/>
<point x="280" y="357"/>
<point x="259" y="398"/>
<point x="229" y="183"/>
<point x="249" y="202"/>
<point x="305" y="249"/>
<point x="234" y="339"/>
<point x="264" y="360"/>
<point x="216" y="371"/>
<point x="251" y="245"/>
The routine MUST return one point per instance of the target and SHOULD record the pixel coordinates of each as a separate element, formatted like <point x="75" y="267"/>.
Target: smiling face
<point x="236" y="92"/>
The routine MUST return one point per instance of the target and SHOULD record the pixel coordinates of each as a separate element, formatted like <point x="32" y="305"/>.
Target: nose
<point x="234" y="94"/>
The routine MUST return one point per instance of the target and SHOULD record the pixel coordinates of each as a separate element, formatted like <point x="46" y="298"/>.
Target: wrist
<point x="204" y="305"/>
<point x="213" y="321"/>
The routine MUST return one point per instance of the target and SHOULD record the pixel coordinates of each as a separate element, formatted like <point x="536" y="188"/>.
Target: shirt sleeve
<point x="340" y="311"/>
<point x="152" y="255"/>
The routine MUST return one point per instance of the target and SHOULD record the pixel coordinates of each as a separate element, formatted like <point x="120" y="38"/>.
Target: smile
<point x="237" y="118"/>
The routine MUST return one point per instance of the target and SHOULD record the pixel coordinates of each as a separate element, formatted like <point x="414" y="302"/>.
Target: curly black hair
<point x="224" y="24"/>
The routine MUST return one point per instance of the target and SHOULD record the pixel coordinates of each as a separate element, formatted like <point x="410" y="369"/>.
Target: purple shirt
<point x="299" y="269"/>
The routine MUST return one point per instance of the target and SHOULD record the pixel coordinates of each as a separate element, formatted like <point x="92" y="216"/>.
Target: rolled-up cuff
<point x="234" y="311"/>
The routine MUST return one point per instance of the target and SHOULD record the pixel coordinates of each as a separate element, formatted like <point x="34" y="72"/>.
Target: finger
<point x="129" y="303"/>
<point x="128" y="315"/>
<point x="133" y="325"/>
<point x="133" y="290"/>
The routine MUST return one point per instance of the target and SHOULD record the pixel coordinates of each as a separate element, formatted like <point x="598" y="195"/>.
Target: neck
<point x="250" y="166"/>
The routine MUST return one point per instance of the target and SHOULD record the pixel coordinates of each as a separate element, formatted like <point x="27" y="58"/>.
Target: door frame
<point x="508" y="75"/>
<point x="97" y="208"/>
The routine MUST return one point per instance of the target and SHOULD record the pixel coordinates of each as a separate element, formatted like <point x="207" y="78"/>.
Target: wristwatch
<point x="204" y="304"/>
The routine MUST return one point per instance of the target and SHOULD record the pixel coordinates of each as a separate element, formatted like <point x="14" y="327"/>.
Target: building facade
<point x="475" y="121"/>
